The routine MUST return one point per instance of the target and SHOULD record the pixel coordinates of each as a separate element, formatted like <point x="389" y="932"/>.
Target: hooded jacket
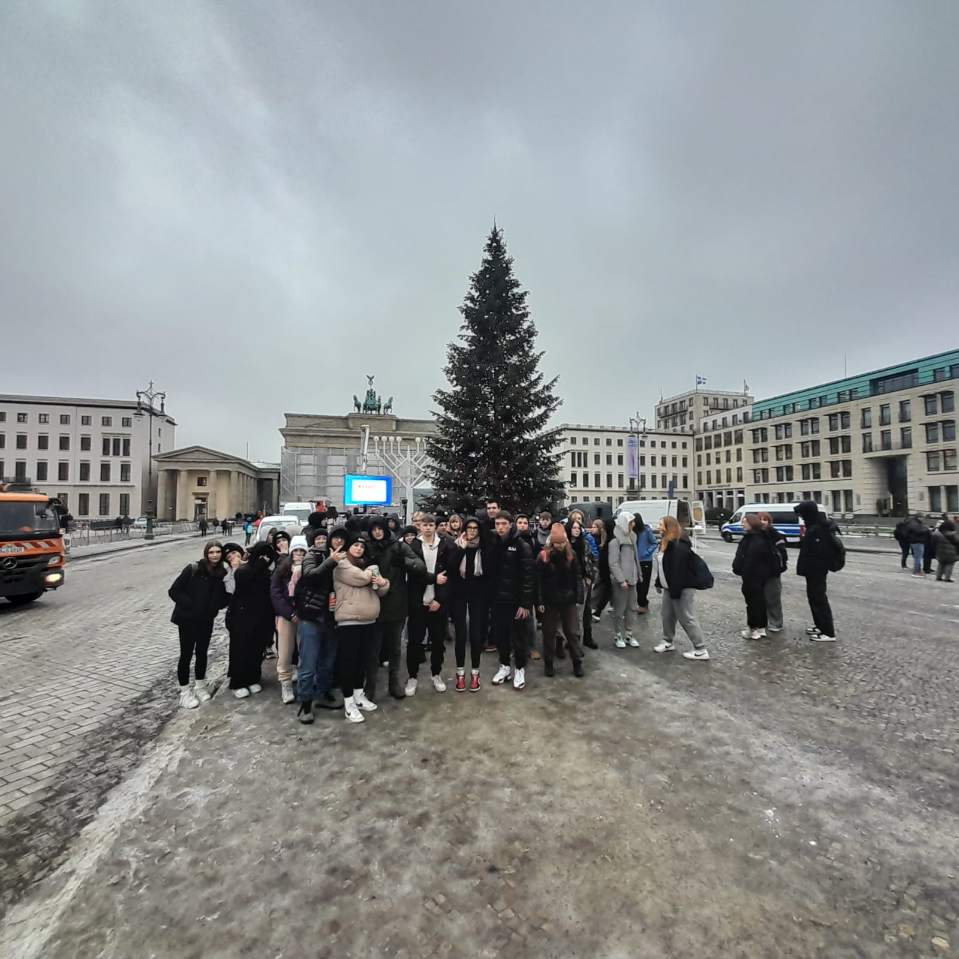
<point x="199" y="594"/>
<point x="558" y="582"/>
<point x="677" y="560"/>
<point x="397" y="562"/>
<point x="421" y="578"/>
<point x="251" y="608"/>
<point x="916" y="531"/>
<point x="311" y="598"/>
<point x="756" y="560"/>
<point x="646" y="545"/>
<point x="511" y="571"/>
<point x="948" y="546"/>
<point x="623" y="564"/>
<point x="820" y="541"/>
<point x="356" y="600"/>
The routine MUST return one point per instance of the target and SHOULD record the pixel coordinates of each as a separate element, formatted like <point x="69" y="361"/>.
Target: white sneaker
<point x="519" y="679"/>
<point x="747" y="633"/>
<point x="702" y="654"/>
<point x="202" y="691"/>
<point x="188" y="699"/>
<point x="286" y="693"/>
<point x="367" y="705"/>
<point x="438" y="684"/>
<point x="502" y="674"/>
<point x="351" y="712"/>
<point x="774" y="629"/>
<point x="241" y="693"/>
<point x="411" y="686"/>
<point x="812" y="630"/>
<point x="620" y="642"/>
<point x="256" y="688"/>
<point x="633" y="641"/>
<point x="663" y="647"/>
<point x="596" y="617"/>
<point x="822" y="638"/>
<point x="756" y="634"/>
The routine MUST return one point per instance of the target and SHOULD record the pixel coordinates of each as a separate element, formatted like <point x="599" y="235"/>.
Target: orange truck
<point x="32" y="557"/>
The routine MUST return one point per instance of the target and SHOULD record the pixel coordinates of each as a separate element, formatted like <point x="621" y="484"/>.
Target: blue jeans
<point x="917" y="553"/>
<point x="317" y="660"/>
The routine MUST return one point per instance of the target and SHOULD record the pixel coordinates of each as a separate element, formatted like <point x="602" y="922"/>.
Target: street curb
<point x="142" y="544"/>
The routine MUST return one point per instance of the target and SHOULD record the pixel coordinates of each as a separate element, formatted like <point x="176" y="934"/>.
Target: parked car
<point x="140" y="522"/>
<point x="292" y="524"/>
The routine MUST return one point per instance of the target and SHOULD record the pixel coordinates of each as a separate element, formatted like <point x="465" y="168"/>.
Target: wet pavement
<point x="785" y="799"/>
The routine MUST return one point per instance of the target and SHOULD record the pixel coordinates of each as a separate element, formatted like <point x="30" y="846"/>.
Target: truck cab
<point x="32" y="557"/>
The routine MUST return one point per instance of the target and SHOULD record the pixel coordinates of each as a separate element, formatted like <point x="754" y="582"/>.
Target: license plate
<point x="11" y="548"/>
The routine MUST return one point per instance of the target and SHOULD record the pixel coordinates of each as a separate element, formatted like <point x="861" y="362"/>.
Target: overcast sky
<point x="255" y="204"/>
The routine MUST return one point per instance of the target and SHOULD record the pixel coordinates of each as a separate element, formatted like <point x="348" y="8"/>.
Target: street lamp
<point x="149" y="396"/>
<point x="637" y="424"/>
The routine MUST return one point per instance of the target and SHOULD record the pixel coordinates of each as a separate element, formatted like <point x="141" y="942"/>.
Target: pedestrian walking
<point x="198" y="594"/>
<point x="511" y="598"/>
<point x="821" y="552"/>
<point x="314" y="600"/>
<point x="774" y="585"/>
<point x="202" y="525"/>
<point x="754" y="563"/>
<point x="469" y="601"/>
<point x="677" y="579"/>
<point x="902" y="538"/>
<point x="247" y="531"/>
<point x="917" y="535"/>
<point x="624" y="574"/>
<point x="646" y="546"/>
<point x="250" y="619"/>
<point x="395" y="561"/>
<point x="587" y="568"/>
<point x="282" y="587"/>
<point x="946" y="551"/>
<point x="358" y="589"/>
<point x="559" y="598"/>
<point x="428" y="615"/>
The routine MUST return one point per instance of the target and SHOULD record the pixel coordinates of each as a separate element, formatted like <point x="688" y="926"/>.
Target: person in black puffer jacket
<point x="250" y="619"/>
<point x="316" y="630"/>
<point x="511" y="598"/>
<point x="199" y="594"/>
<point x="559" y="596"/>
<point x="820" y="547"/>
<point x="946" y="551"/>
<point x="676" y="576"/>
<point x="756" y="563"/>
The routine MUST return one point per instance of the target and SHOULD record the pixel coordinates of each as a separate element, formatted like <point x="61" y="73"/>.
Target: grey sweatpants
<point x="625" y="608"/>
<point x="773" y="591"/>
<point x="681" y="609"/>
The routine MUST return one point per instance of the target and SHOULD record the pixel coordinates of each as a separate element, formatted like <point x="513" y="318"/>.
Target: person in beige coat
<point x="358" y="589"/>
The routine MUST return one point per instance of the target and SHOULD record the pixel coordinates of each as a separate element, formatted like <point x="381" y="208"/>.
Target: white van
<point x="691" y="515"/>
<point x="291" y="524"/>
<point x="785" y="519"/>
<point x="300" y="510"/>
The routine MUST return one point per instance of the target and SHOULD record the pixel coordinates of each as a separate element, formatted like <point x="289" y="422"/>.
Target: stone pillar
<point x="184" y="502"/>
<point x="224" y="502"/>
<point x="162" y="505"/>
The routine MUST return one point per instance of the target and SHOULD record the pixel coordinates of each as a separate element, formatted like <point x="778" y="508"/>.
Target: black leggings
<point x="478" y="609"/>
<point x="354" y="644"/>
<point x="642" y="587"/>
<point x="754" y="593"/>
<point x="194" y="637"/>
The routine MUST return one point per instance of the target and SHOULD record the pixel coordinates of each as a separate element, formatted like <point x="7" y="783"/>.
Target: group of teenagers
<point x="338" y="599"/>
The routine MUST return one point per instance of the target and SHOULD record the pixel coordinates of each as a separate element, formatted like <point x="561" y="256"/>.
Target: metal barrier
<point x="81" y="534"/>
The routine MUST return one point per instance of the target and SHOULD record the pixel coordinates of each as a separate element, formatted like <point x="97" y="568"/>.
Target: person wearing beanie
<point x="250" y="619"/>
<point x="282" y="586"/>
<point x="395" y="561"/>
<point x="408" y="534"/>
<point x="559" y="598"/>
<point x="233" y="555"/>
<point x="198" y="594"/>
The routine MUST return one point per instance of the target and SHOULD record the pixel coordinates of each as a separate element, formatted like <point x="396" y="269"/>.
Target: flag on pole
<point x="700" y="380"/>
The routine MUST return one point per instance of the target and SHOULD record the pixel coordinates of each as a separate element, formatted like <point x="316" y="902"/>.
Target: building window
<point x="83" y="504"/>
<point x="619" y="459"/>
<point x="948" y="402"/>
<point x="86" y="420"/>
<point x="933" y="462"/>
<point x="21" y="417"/>
<point x="948" y="431"/>
<point x="900" y="381"/>
<point x="572" y="479"/>
<point x="931" y="405"/>
<point x="932" y="432"/>
<point x="905" y="437"/>
<point x="63" y="472"/>
<point x="43" y="442"/>
<point x="3" y="443"/>
<point x="104" y="504"/>
<point x="596" y="459"/>
<point x="126" y="422"/>
<point x="116" y="445"/>
<point x="949" y="460"/>
<point x="938" y="374"/>
<point x="85" y="444"/>
<point x="64" y="443"/>
<point x="84" y="472"/>
<point x="867" y="442"/>
<point x="41" y="470"/>
<point x="124" y="472"/>
<point x="43" y="417"/>
<point x="885" y="439"/>
<point x="20" y="470"/>
<point x="905" y="411"/>
<point x="106" y="421"/>
<point x="885" y="415"/>
<point x="609" y="459"/>
<point x="597" y="484"/>
<point x="124" y="504"/>
<point x="572" y="440"/>
<point x="866" y="419"/>
<point x="104" y="472"/>
<point x="609" y="481"/>
<point x="105" y="449"/>
<point x="64" y="419"/>
<point x="21" y="441"/>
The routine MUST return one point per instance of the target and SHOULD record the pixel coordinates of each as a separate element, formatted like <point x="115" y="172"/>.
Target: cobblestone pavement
<point x="786" y="799"/>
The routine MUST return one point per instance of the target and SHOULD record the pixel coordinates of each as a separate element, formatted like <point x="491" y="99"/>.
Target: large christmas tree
<point x="493" y="438"/>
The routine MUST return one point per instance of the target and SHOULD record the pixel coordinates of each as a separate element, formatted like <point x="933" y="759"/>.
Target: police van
<point x="784" y="515"/>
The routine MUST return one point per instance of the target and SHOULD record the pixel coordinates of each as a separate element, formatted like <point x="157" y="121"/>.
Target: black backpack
<point x="836" y="549"/>
<point x="701" y="576"/>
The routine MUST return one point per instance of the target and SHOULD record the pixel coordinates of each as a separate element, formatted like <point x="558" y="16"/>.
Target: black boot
<point x="590" y="643"/>
<point x="305" y="714"/>
<point x="548" y="669"/>
<point x="397" y="689"/>
<point x="578" y="668"/>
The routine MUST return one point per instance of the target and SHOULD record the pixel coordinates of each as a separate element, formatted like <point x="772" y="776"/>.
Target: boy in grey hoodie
<point x="624" y="574"/>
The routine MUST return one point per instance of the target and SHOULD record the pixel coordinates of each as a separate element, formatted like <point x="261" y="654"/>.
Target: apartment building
<point x="614" y="464"/>
<point x="685" y="412"/>
<point x="878" y="441"/>
<point x="721" y="459"/>
<point x="93" y="454"/>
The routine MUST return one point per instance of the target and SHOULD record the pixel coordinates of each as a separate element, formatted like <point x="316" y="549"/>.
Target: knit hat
<point x="410" y="529"/>
<point x="298" y="542"/>
<point x="258" y="550"/>
<point x="557" y="534"/>
<point x="340" y="531"/>
<point x="281" y="534"/>
<point x="232" y="548"/>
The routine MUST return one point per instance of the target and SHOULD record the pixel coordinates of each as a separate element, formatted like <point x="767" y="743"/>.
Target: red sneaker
<point x="460" y="683"/>
<point x="474" y="683"/>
